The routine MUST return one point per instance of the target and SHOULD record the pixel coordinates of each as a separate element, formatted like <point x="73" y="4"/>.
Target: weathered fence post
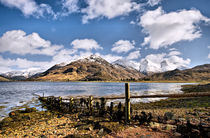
<point x="91" y="104"/>
<point x="127" y="103"/>
<point x="60" y="102"/>
<point x="71" y="102"/>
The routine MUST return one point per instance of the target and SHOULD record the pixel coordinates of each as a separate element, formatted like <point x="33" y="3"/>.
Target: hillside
<point x="93" y="68"/>
<point x="198" y="73"/>
<point x="3" y="79"/>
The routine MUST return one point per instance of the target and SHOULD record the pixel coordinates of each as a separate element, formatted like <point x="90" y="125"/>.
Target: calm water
<point x="15" y="94"/>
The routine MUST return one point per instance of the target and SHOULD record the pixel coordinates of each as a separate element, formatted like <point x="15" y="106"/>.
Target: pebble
<point x="176" y="134"/>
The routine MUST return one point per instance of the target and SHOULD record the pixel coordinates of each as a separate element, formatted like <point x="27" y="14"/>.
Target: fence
<point x="74" y="103"/>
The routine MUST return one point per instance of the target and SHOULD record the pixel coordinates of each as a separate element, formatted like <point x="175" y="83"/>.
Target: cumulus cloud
<point x="108" y="9"/>
<point x="153" y="2"/>
<point x="69" y="6"/>
<point x="17" y="42"/>
<point x="208" y="46"/>
<point x="133" y="55"/>
<point x="164" y="29"/>
<point x="209" y="55"/>
<point x="174" y="53"/>
<point x="22" y="63"/>
<point x="29" y="7"/>
<point x="162" y="62"/>
<point x="87" y="44"/>
<point x="110" y="58"/>
<point x="123" y="46"/>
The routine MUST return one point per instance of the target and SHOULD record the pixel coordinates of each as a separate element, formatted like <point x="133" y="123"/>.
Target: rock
<point x="181" y="119"/>
<point x="155" y="126"/>
<point x="170" y="127"/>
<point x="43" y="136"/>
<point x="29" y="110"/>
<point x="171" y="122"/>
<point x="176" y="134"/>
<point x="195" y="132"/>
<point x="148" y="136"/>
<point x="100" y="132"/>
<point x="168" y="116"/>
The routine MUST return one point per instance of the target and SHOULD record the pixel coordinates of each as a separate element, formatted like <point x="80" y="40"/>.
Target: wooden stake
<point x="91" y="104"/>
<point x="71" y="102"/>
<point x="127" y="103"/>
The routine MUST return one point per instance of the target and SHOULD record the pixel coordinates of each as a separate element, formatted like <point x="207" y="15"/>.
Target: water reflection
<point x="18" y="93"/>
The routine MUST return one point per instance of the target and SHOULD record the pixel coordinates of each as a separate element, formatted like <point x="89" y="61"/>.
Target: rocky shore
<point x="166" y="118"/>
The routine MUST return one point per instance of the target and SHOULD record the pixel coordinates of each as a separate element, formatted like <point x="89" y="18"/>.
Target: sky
<point x="153" y="35"/>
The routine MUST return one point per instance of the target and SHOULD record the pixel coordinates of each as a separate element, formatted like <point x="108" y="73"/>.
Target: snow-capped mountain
<point x="89" y="68"/>
<point x="127" y="64"/>
<point x="146" y="66"/>
<point x="94" y="58"/>
<point x="20" y="75"/>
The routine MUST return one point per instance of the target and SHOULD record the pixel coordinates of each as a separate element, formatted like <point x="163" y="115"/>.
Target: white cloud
<point x="108" y="9"/>
<point x="153" y="2"/>
<point x="208" y="46"/>
<point x="172" y="49"/>
<point x="209" y="55"/>
<point x="174" y="53"/>
<point x="71" y="6"/>
<point x="164" y="29"/>
<point x="132" y="22"/>
<point x="29" y="7"/>
<point x="162" y="62"/>
<point x="18" y="42"/>
<point x="22" y="63"/>
<point x="64" y="56"/>
<point x="123" y="46"/>
<point x="133" y="55"/>
<point x="87" y="44"/>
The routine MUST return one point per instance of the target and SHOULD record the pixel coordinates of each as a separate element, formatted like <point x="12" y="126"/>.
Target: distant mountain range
<point x="198" y="73"/>
<point x="95" y="68"/>
<point x="18" y="75"/>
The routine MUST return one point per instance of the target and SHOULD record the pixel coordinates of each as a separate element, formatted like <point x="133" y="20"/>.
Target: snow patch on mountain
<point x="127" y="64"/>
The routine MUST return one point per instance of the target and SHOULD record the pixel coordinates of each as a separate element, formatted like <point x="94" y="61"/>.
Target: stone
<point x="168" y="116"/>
<point x="43" y="136"/>
<point x="170" y="127"/>
<point x="100" y="132"/>
<point x="176" y="134"/>
<point x="148" y="136"/>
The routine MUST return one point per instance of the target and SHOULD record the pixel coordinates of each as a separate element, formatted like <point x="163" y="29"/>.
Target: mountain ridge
<point x="93" y="68"/>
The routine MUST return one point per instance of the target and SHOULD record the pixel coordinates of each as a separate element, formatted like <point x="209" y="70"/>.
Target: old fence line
<point x="127" y="99"/>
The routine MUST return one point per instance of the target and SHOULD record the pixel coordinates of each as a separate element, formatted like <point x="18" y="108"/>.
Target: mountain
<point x="148" y="67"/>
<point x="19" y="75"/>
<point x="126" y="64"/>
<point x="3" y="79"/>
<point x="92" y="68"/>
<point x="198" y="73"/>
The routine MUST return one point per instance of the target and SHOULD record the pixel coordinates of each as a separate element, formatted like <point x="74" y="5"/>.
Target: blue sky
<point x="152" y="35"/>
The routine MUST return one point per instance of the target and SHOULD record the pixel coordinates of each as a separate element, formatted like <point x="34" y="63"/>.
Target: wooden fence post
<point x="71" y="102"/>
<point x="60" y="102"/>
<point x="91" y="104"/>
<point x="127" y="103"/>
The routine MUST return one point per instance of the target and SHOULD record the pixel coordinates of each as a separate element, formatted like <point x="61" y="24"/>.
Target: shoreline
<point x="76" y="125"/>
